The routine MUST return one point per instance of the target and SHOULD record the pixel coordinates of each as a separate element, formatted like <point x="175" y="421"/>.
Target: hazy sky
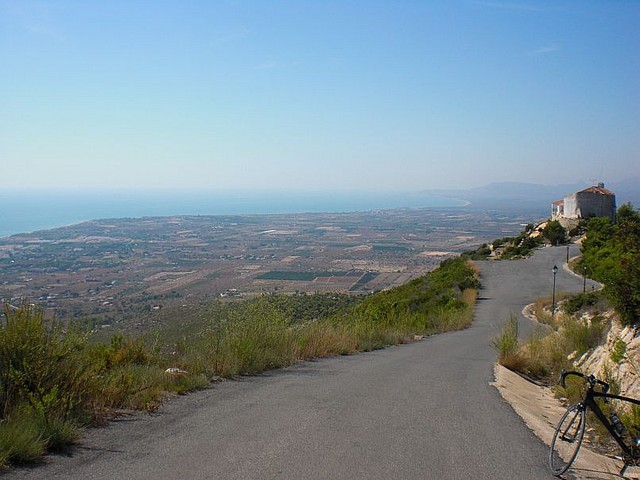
<point x="318" y="95"/>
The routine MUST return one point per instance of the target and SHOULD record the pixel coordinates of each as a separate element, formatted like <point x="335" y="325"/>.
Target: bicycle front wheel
<point x="567" y="439"/>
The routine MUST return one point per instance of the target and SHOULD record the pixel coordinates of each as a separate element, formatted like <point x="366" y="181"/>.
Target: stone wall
<point x="589" y="204"/>
<point x="596" y="205"/>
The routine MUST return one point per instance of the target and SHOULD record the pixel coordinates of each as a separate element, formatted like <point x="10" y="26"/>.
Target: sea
<point x="25" y="211"/>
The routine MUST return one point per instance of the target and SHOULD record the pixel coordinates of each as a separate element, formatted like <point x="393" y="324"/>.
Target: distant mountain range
<point x="535" y="196"/>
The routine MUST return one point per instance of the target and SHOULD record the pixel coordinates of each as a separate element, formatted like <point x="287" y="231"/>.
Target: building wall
<point x="596" y="205"/>
<point x="589" y="204"/>
<point x="571" y="209"/>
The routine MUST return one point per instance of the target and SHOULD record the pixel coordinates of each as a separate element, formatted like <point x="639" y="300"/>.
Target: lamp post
<point x="553" y="296"/>
<point x="567" y="253"/>
<point x="584" y="279"/>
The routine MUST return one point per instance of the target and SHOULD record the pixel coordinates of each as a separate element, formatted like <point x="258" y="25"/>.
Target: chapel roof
<point x="598" y="189"/>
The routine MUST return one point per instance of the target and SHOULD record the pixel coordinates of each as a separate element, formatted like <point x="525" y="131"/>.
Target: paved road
<point x="420" y="411"/>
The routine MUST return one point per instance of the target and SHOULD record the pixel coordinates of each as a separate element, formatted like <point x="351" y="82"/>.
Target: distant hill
<point x="627" y="191"/>
<point x="519" y="195"/>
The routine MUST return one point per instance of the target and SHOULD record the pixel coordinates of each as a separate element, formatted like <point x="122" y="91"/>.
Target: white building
<point x="595" y="201"/>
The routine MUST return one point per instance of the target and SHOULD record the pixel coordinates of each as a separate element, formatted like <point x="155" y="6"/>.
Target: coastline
<point x="27" y="212"/>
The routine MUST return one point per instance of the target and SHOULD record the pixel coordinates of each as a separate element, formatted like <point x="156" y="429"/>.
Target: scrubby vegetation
<point x="522" y="245"/>
<point x="611" y="255"/>
<point x="54" y="380"/>
<point x="506" y="344"/>
<point x="552" y="346"/>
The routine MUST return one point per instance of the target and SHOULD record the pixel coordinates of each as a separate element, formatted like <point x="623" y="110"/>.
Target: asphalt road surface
<point x="419" y="411"/>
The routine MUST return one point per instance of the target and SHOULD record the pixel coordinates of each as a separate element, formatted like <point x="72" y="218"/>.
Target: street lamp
<point x="553" y="297"/>
<point x="567" y="253"/>
<point x="584" y="279"/>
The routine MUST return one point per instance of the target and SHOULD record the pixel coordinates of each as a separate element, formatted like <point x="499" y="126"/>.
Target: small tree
<point x="555" y="233"/>
<point x="611" y="252"/>
<point x="624" y="287"/>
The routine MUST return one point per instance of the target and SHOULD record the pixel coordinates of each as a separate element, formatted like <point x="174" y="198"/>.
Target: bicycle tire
<point x="567" y="439"/>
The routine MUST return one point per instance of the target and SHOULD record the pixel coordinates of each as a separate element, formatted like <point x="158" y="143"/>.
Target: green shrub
<point x="126" y="352"/>
<point x="59" y="433"/>
<point x="41" y="367"/>
<point x="546" y="352"/>
<point x="580" y="229"/>
<point x="578" y="302"/>
<point x="515" y="247"/>
<point x="52" y="381"/>
<point x="186" y="383"/>
<point x="506" y="344"/>
<point x="619" y="351"/>
<point x="555" y="233"/>
<point x="611" y="254"/>
<point x="480" y="253"/>
<point x="631" y="418"/>
<point x="21" y="440"/>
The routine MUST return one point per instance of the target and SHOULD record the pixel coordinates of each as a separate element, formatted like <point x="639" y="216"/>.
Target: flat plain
<point x="140" y="271"/>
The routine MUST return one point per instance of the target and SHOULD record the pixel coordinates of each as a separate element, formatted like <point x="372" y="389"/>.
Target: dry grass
<point x="317" y="341"/>
<point x="54" y="381"/>
<point x="550" y="349"/>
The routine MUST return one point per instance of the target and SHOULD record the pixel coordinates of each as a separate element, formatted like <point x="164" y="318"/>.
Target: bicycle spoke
<point x="567" y="439"/>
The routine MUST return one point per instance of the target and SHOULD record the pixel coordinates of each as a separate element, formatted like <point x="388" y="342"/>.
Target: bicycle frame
<point x="589" y="402"/>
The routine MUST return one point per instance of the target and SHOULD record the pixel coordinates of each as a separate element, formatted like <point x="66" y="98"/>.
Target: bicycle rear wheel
<point x="567" y="439"/>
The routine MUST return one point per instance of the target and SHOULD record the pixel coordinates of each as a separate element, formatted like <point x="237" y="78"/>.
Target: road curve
<point x="419" y="411"/>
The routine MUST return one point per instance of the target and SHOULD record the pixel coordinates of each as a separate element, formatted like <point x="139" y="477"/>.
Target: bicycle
<point x="570" y="430"/>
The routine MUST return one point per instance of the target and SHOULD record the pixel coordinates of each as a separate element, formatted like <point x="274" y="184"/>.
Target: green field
<point x="300" y="276"/>
<point x="366" y="278"/>
<point x="390" y="248"/>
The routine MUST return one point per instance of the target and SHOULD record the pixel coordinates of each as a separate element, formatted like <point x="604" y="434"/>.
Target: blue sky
<point x="317" y="95"/>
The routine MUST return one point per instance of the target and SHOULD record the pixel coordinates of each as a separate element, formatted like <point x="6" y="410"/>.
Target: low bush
<point x="43" y="368"/>
<point x="21" y="440"/>
<point x="54" y="381"/>
<point x="550" y="347"/>
<point x="583" y="334"/>
<point x="506" y="344"/>
<point x="578" y="302"/>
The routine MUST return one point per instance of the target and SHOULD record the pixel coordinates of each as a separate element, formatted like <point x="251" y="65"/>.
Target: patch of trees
<point x="611" y="255"/>
<point x="302" y="307"/>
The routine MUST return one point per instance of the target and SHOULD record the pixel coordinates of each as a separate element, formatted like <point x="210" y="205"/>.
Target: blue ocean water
<point x="28" y="211"/>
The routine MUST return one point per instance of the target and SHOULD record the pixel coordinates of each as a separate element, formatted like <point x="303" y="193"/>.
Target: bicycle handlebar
<point x="589" y="378"/>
